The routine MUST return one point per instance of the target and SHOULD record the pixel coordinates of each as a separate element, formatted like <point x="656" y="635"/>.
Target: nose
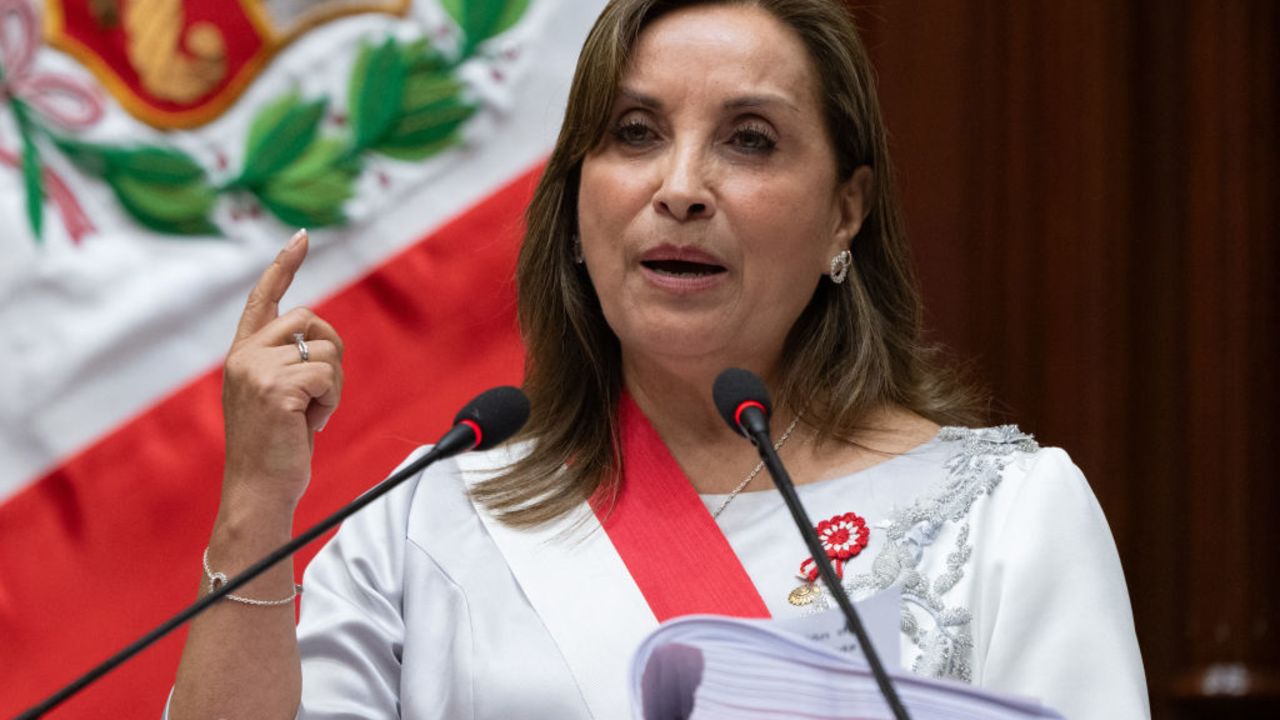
<point x="684" y="193"/>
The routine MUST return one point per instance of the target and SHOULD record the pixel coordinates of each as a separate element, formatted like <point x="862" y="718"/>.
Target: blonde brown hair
<point x="857" y="346"/>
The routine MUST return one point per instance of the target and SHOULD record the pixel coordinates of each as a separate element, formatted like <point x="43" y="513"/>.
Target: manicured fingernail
<point x="322" y="425"/>
<point x="296" y="240"/>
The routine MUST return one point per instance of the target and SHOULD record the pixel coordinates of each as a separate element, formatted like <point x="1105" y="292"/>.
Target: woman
<point x="719" y="196"/>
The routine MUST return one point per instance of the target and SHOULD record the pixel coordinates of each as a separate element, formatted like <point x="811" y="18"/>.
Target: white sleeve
<point x="351" y="628"/>
<point x="1055" y="621"/>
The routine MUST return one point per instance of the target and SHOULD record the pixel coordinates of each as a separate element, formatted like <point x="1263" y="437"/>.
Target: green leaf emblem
<point x="376" y="82"/>
<point x="279" y="133"/>
<point x="164" y="189"/>
<point x="31" y="178"/>
<point x="480" y="20"/>
<point x="311" y="191"/>
<point x="176" y="209"/>
<point x="405" y="102"/>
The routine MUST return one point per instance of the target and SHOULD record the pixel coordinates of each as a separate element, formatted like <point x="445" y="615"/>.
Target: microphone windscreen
<point x="735" y="386"/>
<point x="499" y="412"/>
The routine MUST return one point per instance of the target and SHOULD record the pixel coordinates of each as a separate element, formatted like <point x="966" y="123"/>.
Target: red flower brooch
<point x="843" y="537"/>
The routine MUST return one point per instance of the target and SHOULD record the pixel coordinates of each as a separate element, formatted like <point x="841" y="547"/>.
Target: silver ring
<point x="304" y="352"/>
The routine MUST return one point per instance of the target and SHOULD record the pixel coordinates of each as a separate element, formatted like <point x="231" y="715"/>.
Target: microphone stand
<point x="759" y="435"/>
<point x="254" y="570"/>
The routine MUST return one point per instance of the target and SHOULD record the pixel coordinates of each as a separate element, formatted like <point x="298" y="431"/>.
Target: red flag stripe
<point x="108" y="545"/>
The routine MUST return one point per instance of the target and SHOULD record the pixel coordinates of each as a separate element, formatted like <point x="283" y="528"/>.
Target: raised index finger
<point x="263" y="305"/>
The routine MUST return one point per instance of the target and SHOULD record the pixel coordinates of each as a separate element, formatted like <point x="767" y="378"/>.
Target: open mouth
<point x="682" y="268"/>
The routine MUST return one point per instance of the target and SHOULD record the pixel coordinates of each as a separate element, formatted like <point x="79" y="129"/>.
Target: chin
<point x="682" y="341"/>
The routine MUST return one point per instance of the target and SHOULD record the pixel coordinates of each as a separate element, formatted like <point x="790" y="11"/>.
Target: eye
<point x="753" y="137"/>
<point x="634" y="131"/>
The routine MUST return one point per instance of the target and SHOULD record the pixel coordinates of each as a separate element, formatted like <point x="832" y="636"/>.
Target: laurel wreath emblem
<point x="406" y="101"/>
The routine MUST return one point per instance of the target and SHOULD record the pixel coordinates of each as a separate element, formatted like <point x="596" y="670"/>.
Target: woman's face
<point x="711" y="209"/>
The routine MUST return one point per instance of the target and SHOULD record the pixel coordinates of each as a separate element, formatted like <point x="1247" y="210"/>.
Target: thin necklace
<point x="756" y="471"/>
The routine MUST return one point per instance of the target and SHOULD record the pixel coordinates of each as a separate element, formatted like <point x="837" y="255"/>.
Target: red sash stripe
<point x="671" y="545"/>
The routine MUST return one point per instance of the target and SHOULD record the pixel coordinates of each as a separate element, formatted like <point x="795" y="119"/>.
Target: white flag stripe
<point x="101" y="331"/>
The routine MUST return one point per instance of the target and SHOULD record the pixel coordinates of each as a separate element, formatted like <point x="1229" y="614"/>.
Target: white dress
<point x="423" y="606"/>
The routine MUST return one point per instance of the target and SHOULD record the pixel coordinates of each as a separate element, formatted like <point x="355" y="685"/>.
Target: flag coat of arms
<point x="154" y="156"/>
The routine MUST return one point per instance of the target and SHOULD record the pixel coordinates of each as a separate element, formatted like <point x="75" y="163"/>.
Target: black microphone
<point x="486" y="421"/>
<point x="743" y="402"/>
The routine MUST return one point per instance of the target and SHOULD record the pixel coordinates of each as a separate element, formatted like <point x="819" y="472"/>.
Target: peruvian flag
<point x="142" y="193"/>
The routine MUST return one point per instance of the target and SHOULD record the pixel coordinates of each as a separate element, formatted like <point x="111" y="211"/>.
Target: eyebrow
<point x="640" y="98"/>
<point x="755" y="101"/>
<point x="743" y="102"/>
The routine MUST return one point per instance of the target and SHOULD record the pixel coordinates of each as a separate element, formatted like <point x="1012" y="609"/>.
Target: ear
<point x="853" y="203"/>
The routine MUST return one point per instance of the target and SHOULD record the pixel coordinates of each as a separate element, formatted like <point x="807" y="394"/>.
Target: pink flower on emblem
<point x="843" y="537"/>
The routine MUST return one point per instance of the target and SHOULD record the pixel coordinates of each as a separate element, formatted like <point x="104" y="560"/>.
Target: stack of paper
<point x="707" y="667"/>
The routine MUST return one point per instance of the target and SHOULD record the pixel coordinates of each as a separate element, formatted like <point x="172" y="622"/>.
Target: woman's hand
<point x="240" y="661"/>
<point x="273" y="401"/>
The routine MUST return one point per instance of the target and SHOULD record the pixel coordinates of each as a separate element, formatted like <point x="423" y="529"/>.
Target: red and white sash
<point x="661" y="555"/>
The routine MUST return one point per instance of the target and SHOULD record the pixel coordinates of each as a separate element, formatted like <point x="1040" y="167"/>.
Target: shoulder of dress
<point x="998" y="440"/>
<point x="929" y="563"/>
<point x="974" y="460"/>
<point x="1016" y="454"/>
<point x="477" y="467"/>
<point x="445" y="478"/>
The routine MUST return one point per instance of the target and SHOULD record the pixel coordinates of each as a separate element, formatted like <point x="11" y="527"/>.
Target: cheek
<point x="789" y="233"/>
<point x="609" y="195"/>
<point x="588" y="192"/>
<point x="782" y="281"/>
<point x="601" y="225"/>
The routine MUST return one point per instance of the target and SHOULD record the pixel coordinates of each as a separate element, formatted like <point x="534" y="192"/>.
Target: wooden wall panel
<point x="1091" y="189"/>
<point x="1231" y="220"/>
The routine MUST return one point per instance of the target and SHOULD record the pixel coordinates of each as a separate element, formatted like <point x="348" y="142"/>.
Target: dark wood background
<point x="1091" y="189"/>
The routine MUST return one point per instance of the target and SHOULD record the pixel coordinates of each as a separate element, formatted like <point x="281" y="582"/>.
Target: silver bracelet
<point x="217" y="580"/>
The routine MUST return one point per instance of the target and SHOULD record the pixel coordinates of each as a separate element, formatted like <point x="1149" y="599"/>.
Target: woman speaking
<point x="719" y="196"/>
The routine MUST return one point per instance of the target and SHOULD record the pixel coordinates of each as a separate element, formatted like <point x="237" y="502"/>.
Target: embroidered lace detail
<point x="940" y="631"/>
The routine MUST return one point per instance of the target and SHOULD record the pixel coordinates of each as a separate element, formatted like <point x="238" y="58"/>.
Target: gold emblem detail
<point x="803" y="595"/>
<point x="176" y="63"/>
